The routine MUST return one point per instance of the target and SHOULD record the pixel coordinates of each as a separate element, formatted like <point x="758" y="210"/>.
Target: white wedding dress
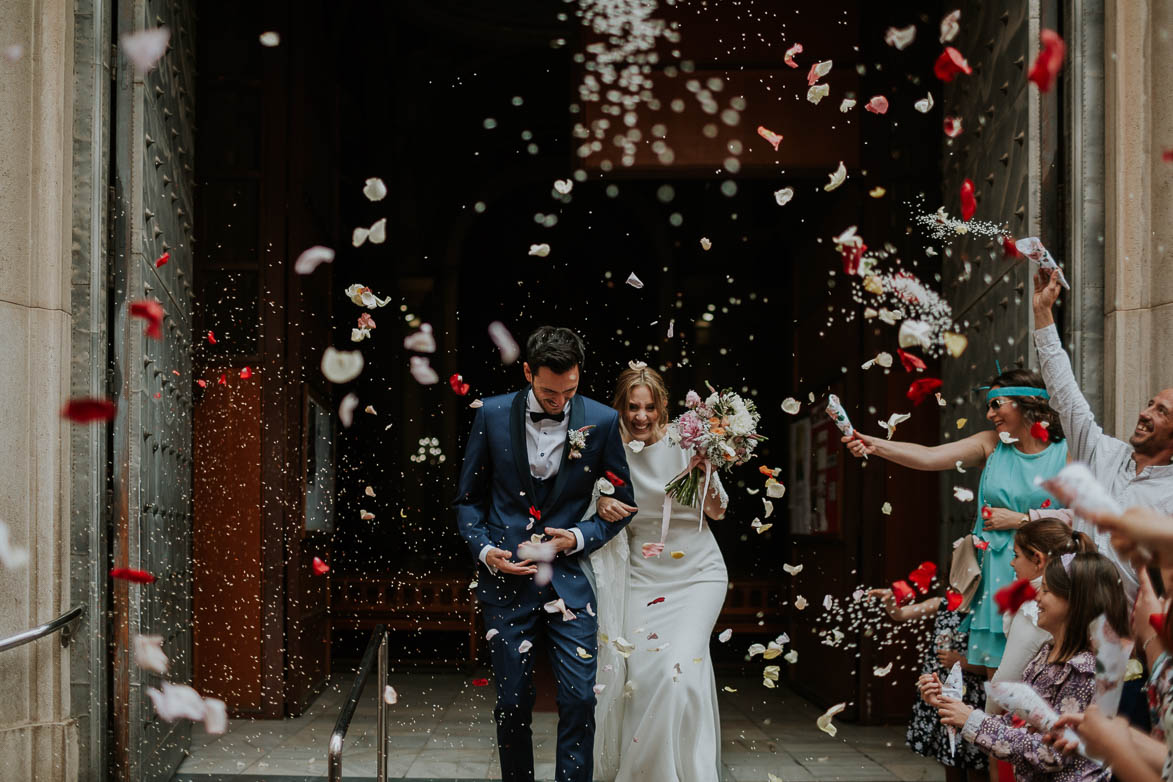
<point x="656" y="717"/>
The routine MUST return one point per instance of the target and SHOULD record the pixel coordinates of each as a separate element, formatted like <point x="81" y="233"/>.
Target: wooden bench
<point x="430" y="604"/>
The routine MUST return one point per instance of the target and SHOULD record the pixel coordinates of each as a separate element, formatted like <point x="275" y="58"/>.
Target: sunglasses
<point x="997" y="402"/>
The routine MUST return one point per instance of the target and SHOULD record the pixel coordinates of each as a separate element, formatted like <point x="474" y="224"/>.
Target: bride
<point x="656" y="716"/>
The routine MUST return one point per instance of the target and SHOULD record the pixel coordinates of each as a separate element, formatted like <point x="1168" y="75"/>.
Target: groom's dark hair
<point x="558" y="348"/>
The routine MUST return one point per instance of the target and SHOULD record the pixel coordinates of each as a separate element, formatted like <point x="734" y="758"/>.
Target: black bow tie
<point x="537" y="418"/>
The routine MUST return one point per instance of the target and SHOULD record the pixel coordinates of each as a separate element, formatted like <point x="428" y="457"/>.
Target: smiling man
<point x="1137" y="472"/>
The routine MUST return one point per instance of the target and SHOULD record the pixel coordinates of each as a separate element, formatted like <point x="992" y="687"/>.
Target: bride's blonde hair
<point x="629" y="380"/>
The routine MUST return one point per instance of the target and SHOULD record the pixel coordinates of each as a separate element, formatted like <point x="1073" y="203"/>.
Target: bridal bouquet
<point x="721" y="433"/>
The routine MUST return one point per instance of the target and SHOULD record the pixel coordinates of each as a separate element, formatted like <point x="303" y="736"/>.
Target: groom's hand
<point x="499" y="558"/>
<point x="563" y="540"/>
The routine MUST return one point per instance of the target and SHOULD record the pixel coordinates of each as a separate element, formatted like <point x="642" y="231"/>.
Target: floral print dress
<point x="926" y="735"/>
<point x="1068" y="687"/>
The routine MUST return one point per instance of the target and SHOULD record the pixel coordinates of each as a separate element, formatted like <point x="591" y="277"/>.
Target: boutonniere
<point x="576" y="439"/>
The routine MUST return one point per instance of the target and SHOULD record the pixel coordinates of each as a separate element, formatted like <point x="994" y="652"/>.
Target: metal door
<point x="1009" y="148"/>
<point x="151" y="380"/>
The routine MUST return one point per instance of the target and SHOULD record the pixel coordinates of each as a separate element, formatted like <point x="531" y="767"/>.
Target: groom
<point x="524" y="474"/>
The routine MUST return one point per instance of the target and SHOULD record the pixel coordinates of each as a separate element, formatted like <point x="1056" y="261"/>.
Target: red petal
<point x="949" y="64"/>
<point x="953" y="127"/>
<point x="88" y="410"/>
<point x="909" y="361"/>
<point x="923" y="576"/>
<point x="1039" y="432"/>
<point x="320" y="567"/>
<point x="1157" y="622"/>
<point x="614" y="479"/>
<point x="152" y="313"/>
<point x="134" y="576"/>
<point x="921" y="388"/>
<point x="1009" y="598"/>
<point x="223" y="380"/>
<point x="902" y="592"/>
<point x="480" y="682"/>
<point x="987" y="512"/>
<point x="246" y="373"/>
<point x="1009" y="248"/>
<point x="968" y="202"/>
<point x="533" y="511"/>
<point x="1046" y="503"/>
<point x="981" y="544"/>
<point x="952" y="599"/>
<point x="1167" y="155"/>
<point x="852" y="256"/>
<point x="774" y="138"/>
<point x="1049" y="62"/>
<point x="458" y="386"/>
<point x="877" y="105"/>
<point x="202" y="383"/>
<point x="657" y="600"/>
<point x="162" y="260"/>
<point x="211" y="338"/>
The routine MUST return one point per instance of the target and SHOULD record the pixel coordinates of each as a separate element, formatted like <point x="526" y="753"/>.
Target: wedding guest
<point x="1075" y="590"/>
<point x="1137" y="472"/>
<point x="1025" y="443"/>
<point x="926" y="735"/>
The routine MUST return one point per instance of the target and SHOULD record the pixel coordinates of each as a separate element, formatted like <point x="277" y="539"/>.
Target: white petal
<point x="769" y="508"/>
<point x="884" y="359"/>
<point x="925" y="104"/>
<point x="525" y="647"/>
<point x="476" y="404"/>
<point x="374" y="189"/>
<point x="824" y="721"/>
<point x="598" y="688"/>
<point x="819" y="70"/>
<point x="800" y="602"/>
<point x="379" y="231"/>
<point x="828" y="603"/>
<point x="493" y="633"/>
<point x="756" y="649"/>
<point x="390" y="696"/>
<point x="950" y="26"/>
<point x="346" y="410"/>
<point x="11" y="557"/>
<point x="847" y="105"/>
<point x="177" y="701"/>
<point x="963" y="494"/>
<point x="634" y="281"/>
<point x="421" y="341"/>
<point x="540" y="250"/>
<point x="900" y="38"/>
<point x="421" y="370"/>
<point x="148" y="653"/>
<point x="791" y="405"/>
<point x="341" y="366"/>
<point x="215" y="717"/>
<point x="605" y="486"/>
<point x="784" y="195"/>
<point x="506" y="344"/>
<point x="915" y="333"/>
<point x="774" y="489"/>
<point x="359" y="236"/>
<point x="1006" y="438"/>
<point x="563" y="186"/>
<point x="309" y="259"/>
<point x="13" y="52"/>
<point x="706" y="243"/>
<point x="791" y="656"/>
<point x="636" y="446"/>
<point x="270" y="38"/>
<point x="145" y="47"/>
<point x="817" y="92"/>
<point x="725" y="635"/>
<point x="958" y="466"/>
<point x="793" y="570"/>
<point x="837" y="178"/>
<point x="886" y="509"/>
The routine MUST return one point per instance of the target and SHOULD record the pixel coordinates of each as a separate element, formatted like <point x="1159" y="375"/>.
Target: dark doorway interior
<point x="463" y="110"/>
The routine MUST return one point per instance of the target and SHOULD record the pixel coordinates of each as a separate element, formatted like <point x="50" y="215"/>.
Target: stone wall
<point x="38" y="739"/>
<point x="1138" y="301"/>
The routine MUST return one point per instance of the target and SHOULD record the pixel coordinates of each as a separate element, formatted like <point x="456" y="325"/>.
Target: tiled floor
<point x="442" y="729"/>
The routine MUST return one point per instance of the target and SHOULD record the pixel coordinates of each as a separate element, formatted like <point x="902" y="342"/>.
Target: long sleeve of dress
<point x="1079" y="423"/>
<point x="998" y="736"/>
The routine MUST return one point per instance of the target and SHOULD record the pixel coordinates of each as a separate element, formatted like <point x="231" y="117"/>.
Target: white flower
<point x="374" y="189"/>
<point x="741" y="423"/>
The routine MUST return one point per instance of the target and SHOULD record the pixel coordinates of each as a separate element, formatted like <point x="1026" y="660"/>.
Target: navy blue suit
<point x="493" y="508"/>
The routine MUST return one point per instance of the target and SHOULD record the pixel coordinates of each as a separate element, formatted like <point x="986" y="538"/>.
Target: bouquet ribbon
<point x="696" y="461"/>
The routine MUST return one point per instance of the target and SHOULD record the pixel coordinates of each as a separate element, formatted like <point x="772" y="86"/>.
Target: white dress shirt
<point x="544" y="442"/>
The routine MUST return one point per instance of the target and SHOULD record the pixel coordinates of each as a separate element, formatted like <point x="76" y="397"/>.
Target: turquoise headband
<point x="994" y="393"/>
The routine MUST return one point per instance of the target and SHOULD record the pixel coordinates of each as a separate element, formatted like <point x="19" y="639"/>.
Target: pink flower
<point x="691" y="429"/>
<point x="692" y="399"/>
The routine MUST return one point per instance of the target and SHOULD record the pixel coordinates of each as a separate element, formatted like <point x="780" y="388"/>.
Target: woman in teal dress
<point x="1012" y="455"/>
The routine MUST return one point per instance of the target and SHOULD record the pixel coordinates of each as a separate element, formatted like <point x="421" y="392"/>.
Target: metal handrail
<point x="67" y="623"/>
<point x="376" y="647"/>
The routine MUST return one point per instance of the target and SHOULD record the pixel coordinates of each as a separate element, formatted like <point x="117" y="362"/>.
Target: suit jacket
<point x="496" y="492"/>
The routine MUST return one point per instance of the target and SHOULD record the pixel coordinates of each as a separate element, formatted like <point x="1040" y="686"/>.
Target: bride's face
<point x="641" y="416"/>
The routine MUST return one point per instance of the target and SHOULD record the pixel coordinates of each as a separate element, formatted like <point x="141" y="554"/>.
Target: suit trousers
<point x="527" y="620"/>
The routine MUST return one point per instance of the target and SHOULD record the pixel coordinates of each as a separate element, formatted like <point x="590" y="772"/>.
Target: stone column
<point x="38" y="740"/>
<point x="1138" y="301"/>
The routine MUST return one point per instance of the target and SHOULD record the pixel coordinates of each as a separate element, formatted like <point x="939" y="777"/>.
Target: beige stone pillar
<point x="38" y="741"/>
<point x="1138" y="306"/>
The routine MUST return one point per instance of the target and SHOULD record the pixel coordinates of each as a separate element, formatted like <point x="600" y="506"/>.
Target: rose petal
<point x="950" y="64"/>
<point x="152" y="312"/>
<point x="824" y="721"/>
<point x="837" y="178"/>
<point x="968" y="201"/>
<point x="421" y="370"/>
<point x="374" y="189"/>
<point x="950" y="25"/>
<point x="634" y="281"/>
<point x="145" y="47"/>
<point x="563" y="186"/>
<point x="817" y="92"/>
<point x="900" y="38"/>
<point x="506" y="344"/>
<point x="88" y="410"/>
<point x="346" y="410"/>
<point x="525" y="647"/>
<point x="953" y="127"/>
<point x="378" y="232"/>
<point x="148" y="654"/>
<point x="1049" y="61"/>
<point x="818" y="71"/>
<point x="725" y="635"/>
<point x="270" y="39"/>
<point x="539" y="250"/>
<point x="791" y="405"/>
<point x="706" y="244"/>
<point x="311" y="258"/>
<point x="877" y="105"/>
<point x="846" y="105"/>
<point x="788" y="58"/>
<point x="320" y="567"/>
<point x="783" y="196"/>
<point x="773" y="138"/>
<point x="341" y="366"/>
<point x="131" y="575"/>
<point x="925" y="104"/>
<point x="963" y="494"/>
